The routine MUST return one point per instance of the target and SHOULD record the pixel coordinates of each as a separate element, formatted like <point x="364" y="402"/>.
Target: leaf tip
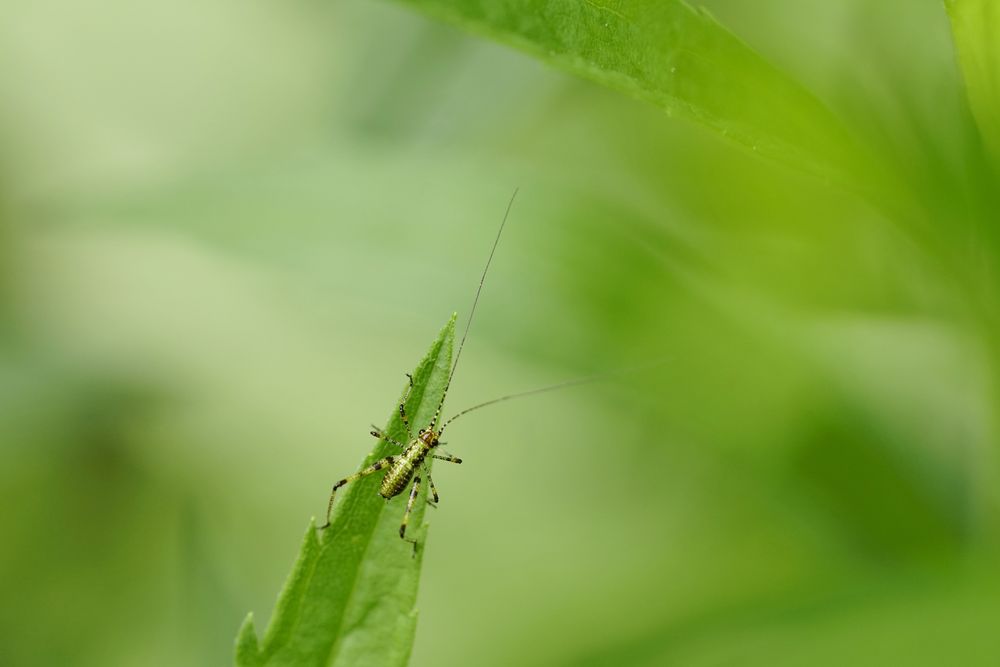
<point x="247" y="649"/>
<point x="446" y="337"/>
<point x="311" y="540"/>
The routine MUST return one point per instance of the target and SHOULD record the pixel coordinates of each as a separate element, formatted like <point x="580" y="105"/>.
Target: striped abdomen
<point x="401" y="471"/>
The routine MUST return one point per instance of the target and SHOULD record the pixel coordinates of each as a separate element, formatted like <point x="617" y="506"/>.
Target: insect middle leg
<point x="378" y="433"/>
<point x="434" y="491"/>
<point x="373" y="468"/>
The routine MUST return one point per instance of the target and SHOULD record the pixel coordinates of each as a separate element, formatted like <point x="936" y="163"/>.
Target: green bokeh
<point x="227" y="231"/>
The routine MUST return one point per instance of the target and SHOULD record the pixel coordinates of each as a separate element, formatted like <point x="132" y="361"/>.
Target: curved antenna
<point x="458" y="355"/>
<point x="561" y="385"/>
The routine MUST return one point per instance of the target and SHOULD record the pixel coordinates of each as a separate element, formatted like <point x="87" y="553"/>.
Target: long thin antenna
<point x="561" y="385"/>
<point x="458" y="355"/>
<point x="519" y="394"/>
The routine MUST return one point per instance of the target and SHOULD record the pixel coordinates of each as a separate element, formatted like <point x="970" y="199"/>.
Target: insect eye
<point x="421" y="432"/>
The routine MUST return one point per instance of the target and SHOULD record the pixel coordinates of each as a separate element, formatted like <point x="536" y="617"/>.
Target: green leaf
<point x="975" y="25"/>
<point x="672" y="55"/>
<point x="349" y="600"/>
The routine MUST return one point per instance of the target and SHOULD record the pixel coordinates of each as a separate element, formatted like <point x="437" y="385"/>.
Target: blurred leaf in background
<point x="227" y="230"/>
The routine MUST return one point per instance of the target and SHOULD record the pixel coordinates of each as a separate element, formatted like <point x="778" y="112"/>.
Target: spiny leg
<point x="447" y="457"/>
<point x="377" y="432"/>
<point x="406" y="515"/>
<point x="402" y="407"/>
<point x="373" y="468"/>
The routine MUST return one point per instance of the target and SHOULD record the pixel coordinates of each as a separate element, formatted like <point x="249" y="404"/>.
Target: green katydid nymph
<point x="408" y="469"/>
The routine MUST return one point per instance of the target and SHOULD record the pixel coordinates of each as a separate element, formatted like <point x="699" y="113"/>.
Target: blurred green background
<point x="227" y="230"/>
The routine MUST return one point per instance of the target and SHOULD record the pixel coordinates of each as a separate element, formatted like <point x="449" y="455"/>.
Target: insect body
<point x="401" y="469"/>
<point x="408" y="466"/>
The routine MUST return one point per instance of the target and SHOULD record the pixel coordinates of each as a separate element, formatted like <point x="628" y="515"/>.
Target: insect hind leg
<point x="373" y="468"/>
<point x="406" y="515"/>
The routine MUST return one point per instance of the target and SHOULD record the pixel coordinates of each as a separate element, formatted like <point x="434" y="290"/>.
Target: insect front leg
<point x="406" y="515"/>
<point x="402" y="407"/>
<point x="373" y="468"/>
